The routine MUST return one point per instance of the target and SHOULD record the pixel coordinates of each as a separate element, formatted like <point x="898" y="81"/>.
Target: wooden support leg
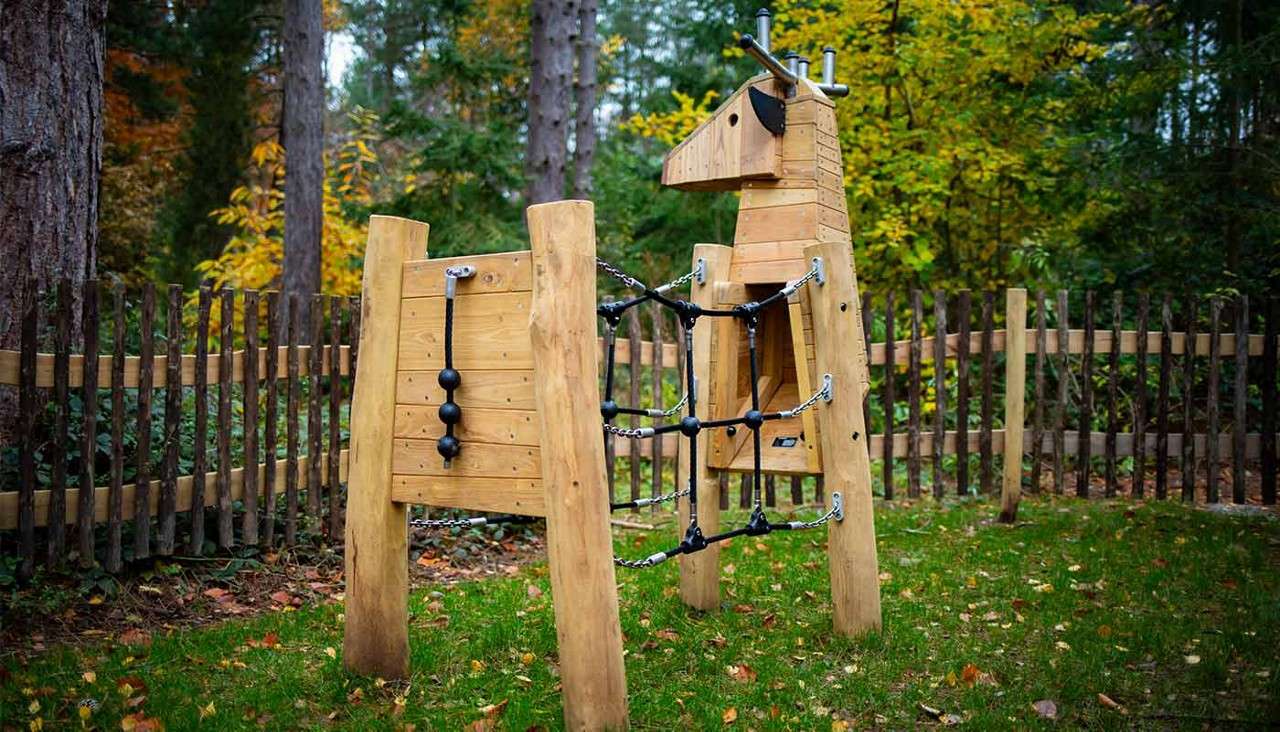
<point x="376" y="639"/>
<point x="700" y="572"/>
<point x="1015" y="391"/>
<point x="855" y="584"/>
<point x="562" y="323"/>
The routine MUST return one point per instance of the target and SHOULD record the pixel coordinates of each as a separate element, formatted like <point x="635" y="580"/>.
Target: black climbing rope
<point x="449" y="379"/>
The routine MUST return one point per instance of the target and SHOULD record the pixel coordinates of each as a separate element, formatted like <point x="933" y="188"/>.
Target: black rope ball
<point x="753" y="419"/>
<point x="450" y="413"/>
<point x="449" y="379"/>
<point x="448" y="447"/>
<point x="690" y="426"/>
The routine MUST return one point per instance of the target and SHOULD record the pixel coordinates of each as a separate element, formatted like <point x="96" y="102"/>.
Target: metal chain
<point x="813" y="272"/>
<point x="619" y="275"/>
<point x="461" y="523"/>
<point x="671" y="412"/>
<point x="824" y="394"/>
<point x="824" y="518"/>
<point x="636" y="284"/>
<point x="640" y="563"/>
<point x="634" y="434"/>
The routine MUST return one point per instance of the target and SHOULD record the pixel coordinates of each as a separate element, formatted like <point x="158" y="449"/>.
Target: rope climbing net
<point x="690" y="425"/>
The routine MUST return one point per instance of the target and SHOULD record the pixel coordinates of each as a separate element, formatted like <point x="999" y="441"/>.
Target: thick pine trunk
<point x="51" y="76"/>
<point x="553" y="35"/>
<point x="584" y="124"/>
<point x="304" y="149"/>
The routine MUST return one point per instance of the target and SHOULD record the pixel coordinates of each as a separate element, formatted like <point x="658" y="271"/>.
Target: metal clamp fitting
<point x="455" y="273"/>
<point x="821" y="277"/>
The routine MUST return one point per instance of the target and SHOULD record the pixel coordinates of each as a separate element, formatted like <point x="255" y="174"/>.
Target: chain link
<point x="461" y="523"/>
<point x="640" y="563"/>
<point x="824" y="518"/>
<point x="824" y="394"/>
<point x="671" y="412"/>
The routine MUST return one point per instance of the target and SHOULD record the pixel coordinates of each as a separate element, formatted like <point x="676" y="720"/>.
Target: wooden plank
<point x="1188" y="407"/>
<point x="658" y="314"/>
<point x="913" y="397"/>
<point x="490" y="331"/>
<point x="1240" y="393"/>
<point x="1084" y="457"/>
<point x="479" y="425"/>
<point x="986" y="460"/>
<point x="167" y="523"/>
<point x="699" y="573"/>
<point x="28" y="401"/>
<point x="89" y="415"/>
<point x="292" y="405"/>
<point x="890" y="377"/>
<point x="1113" y="394"/>
<point x="1125" y="443"/>
<point x="115" y="496"/>
<point x="1037" y="420"/>
<point x="868" y="316"/>
<point x="744" y="490"/>
<point x="633" y="384"/>
<point x="523" y="496"/>
<point x="376" y="631"/>
<point x="1162" y="401"/>
<point x="797" y="490"/>
<point x="100" y="515"/>
<point x="335" y="416"/>
<point x="579" y="544"/>
<point x="250" y="521"/>
<point x="963" y="306"/>
<point x="315" y="488"/>
<point x="270" y="418"/>
<point x="501" y="272"/>
<point x="484" y="389"/>
<point x="771" y="490"/>
<point x="56" y="537"/>
<point x="1060" y="404"/>
<point x="855" y="585"/>
<point x="1140" y="399"/>
<point x="142" y="524"/>
<point x="1015" y="389"/>
<point x="1269" y="373"/>
<point x="1212" y="457"/>
<point x="200" y="440"/>
<point x="355" y="334"/>
<point x="940" y="386"/>
<point x="479" y="460"/>
<point x="226" y="319"/>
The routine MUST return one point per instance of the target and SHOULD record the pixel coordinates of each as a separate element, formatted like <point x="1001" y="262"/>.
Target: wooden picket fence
<point x="1114" y="410"/>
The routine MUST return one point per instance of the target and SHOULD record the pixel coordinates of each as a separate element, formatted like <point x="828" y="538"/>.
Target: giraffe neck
<point x="778" y="218"/>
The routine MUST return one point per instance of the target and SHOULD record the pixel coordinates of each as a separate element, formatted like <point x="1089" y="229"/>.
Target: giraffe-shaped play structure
<point x="478" y="388"/>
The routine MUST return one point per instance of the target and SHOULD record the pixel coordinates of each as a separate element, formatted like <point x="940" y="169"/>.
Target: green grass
<point x="1171" y="612"/>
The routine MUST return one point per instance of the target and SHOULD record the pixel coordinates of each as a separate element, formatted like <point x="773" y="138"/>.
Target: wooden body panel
<point x="500" y="463"/>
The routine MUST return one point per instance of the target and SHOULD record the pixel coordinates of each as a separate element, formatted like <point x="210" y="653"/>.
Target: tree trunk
<point x="553" y="34"/>
<point x="51" y="77"/>
<point x="584" y="125"/>
<point x="304" y="149"/>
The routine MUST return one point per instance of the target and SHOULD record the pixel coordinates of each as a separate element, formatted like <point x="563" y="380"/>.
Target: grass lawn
<point x="1121" y="615"/>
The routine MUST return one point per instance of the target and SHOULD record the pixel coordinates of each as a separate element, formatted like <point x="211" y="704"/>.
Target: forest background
<point x="1003" y="142"/>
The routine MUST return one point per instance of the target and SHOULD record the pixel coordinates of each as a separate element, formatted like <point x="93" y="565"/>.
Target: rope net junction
<point x="689" y="425"/>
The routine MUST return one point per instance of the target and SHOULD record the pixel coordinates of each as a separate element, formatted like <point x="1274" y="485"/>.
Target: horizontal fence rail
<point x="1124" y="408"/>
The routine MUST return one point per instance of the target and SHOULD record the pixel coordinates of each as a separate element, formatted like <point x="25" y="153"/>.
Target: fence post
<point x="377" y="535"/>
<point x="1015" y="388"/>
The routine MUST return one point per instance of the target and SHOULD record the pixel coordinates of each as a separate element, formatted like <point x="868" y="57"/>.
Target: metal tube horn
<point x="803" y="67"/>
<point x="829" y="85"/>
<point x="764" y="22"/>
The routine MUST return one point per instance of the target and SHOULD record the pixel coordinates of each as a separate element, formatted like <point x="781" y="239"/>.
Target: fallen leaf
<point x="331" y="652"/>
<point x="730" y="715"/>
<point x="533" y="591"/>
<point x="208" y="710"/>
<point x="1110" y="703"/>
<point x="1046" y="708"/>
<point x="742" y="672"/>
<point x="969" y="674"/>
<point x="1104" y="631"/>
<point x="135" y="637"/>
<point x="1191" y="660"/>
<point x="89" y="677"/>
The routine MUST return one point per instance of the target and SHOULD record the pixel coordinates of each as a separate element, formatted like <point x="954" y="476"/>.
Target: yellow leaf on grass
<point x="730" y="715"/>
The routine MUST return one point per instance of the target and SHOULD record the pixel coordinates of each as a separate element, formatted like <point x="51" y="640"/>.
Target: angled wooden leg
<point x="562" y="322"/>
<point x="855" y="584"/>
<point x="376" y="634"/>
<point x="700" y="573"/>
